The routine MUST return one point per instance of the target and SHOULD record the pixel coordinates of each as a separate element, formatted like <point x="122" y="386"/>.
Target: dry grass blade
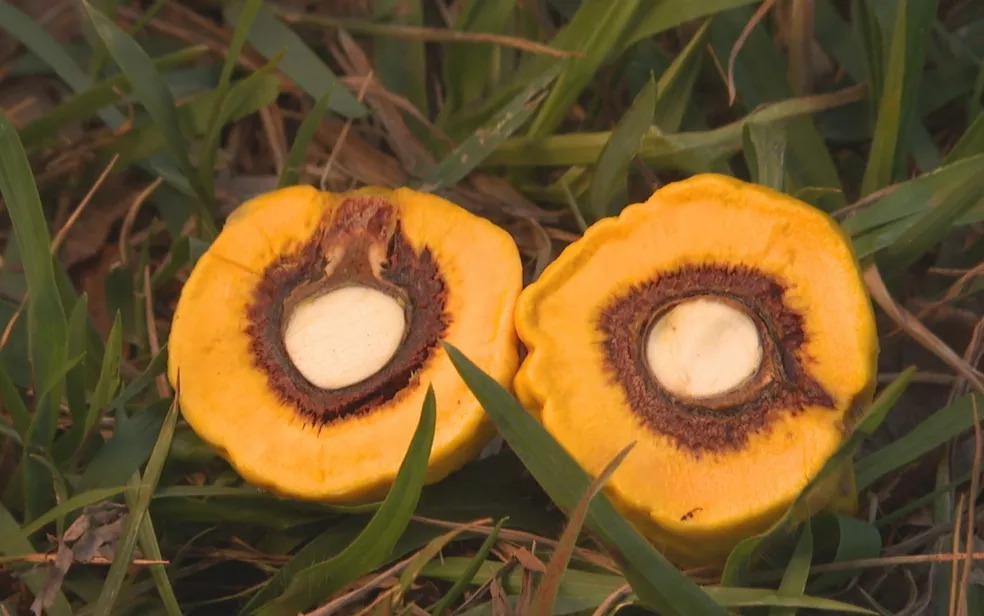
<point x="918" y="331"/>
<point x="421" y="33"/>
<point x="759" y="15"/>
<point x="550" y="583"/>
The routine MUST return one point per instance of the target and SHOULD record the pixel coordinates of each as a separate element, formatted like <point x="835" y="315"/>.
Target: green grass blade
<point x="47" y="324"/>
<point x="96" y="99"/>
<point x="896" y="110"/>
<point x="139" y="492"/>
<point x="78" y="333"/>
<point x="797" y="570"/>
<point x="971" y="142"/>
<point x="147" y="539"/>
<point x="675" y="86"/>
<point x="657" y="17"/>
<point x="401" y="64"/>
<point x="597" y="44"/>
<point x="376" y="540"/>
<point x="930" y="227"/>
<point x="270" y="36"/>
<point x="467" y="574"/>
<point x="765" y="153"/>
<point x="855" y="540"/>
<point x="762" y="597"/>
<point x="13" y="403"/>
<point x="123" y="454"/>
<point x="654" y="579"/>
<point x="20" y="193"/>
<point x="156" y="98"/>
<point x="736" y="567"/>
<point x="943" y="425"/>
<point x="869" y="33"/>
<point x="76" y="502"/>
<point x="471" y="152"/>
<point x="760" y="77"/>
<point x="612" y="168"/>
<point x="469" y="70"/>
<point x="291" y="174"/>
<point x="210" y="144"/>
<point x="690" y="151"/>
<point x="547" y="590"/>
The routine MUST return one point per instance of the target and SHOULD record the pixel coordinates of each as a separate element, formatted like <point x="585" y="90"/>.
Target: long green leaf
<point x="377" y="539"/>
<point x="271" y="37"/>
<point x="935" y="430"/>
<point x="907" y="51"/>
<point x="654" y="579"/>
<point x="290" y="174"/>
<point x="139" y="495"/>
<point x="611" y="170"/>
<point x="156" y="98"/>
<point x="675" y="86"/>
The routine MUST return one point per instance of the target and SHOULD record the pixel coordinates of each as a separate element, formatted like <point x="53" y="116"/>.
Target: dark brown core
<point x="782" y="384"/>
<point x="361" y="243"/>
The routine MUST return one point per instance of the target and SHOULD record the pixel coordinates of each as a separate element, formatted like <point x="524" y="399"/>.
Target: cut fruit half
<point x="726" y="329"/>
<point x="307" y="335"/>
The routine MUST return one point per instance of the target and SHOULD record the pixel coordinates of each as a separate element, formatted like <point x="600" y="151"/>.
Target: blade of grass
<point x="736" y="567"/>
<point x="943" y="425"/>
<point x="151" y="549"/>
<point x="46" y="321"/>
<point x="797" y="570"/>
<point x="156" y="98"/>
<point x="471" y="152"/>
<point x="689" y="151"/>
<point x="896" y="110"/>
<point x="868" y="31"/>
<point x="971" y="142"/>
<point x="76" y="502"/>
<point x="597" y="45"/>
<point x="130" y="446"/>
<point x="13" y="403"/>
<point x="139" y="493"/>
<point x="271" y="37"/>
<point x="401" y="64"/>
<point x="469" y="70"/>
<point x="676" y="84"/>
<point x="855" y="540"/>
<point x="765" y="153"/>
<point x="658" y="583"/>
<point x="431" y="551"/>
<point x="377" y="539"/>
<point x="467" y="574"/>
<point x="96" y="99"/>
<point x="546" y="592"/>
<point x="612" y="167"/>
<point x="213" y="134"/>
<point x="759" y="74"/>
<point x="290" y="174"/>
<point x="662" y="16"/>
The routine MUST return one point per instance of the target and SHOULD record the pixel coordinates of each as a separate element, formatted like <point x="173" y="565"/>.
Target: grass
<point x="128" y="131"/>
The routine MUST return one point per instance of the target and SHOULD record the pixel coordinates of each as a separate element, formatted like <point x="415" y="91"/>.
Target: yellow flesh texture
<point x="227" y="400"/>
<point x="697" y="508"/>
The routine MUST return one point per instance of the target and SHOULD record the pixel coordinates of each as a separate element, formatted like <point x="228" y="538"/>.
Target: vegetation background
<point x="130" y="129"/>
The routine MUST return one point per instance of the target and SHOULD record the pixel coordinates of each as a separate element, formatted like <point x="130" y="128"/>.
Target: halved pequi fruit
<point x="725" y="328"/>
<point x="306" y="336"/>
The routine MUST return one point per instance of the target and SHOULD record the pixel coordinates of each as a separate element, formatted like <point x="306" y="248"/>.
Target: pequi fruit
<point x="306" y="336"/>
<point x="725" y="328"/>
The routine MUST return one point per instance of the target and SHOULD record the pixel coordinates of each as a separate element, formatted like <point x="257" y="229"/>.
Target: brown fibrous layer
<point x="699" y="429"/>
<point x="420" y="279"/>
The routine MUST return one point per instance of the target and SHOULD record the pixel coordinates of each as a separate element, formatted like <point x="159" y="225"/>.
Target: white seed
<point x="344" y="336"/>
<point x="702" y="348"/>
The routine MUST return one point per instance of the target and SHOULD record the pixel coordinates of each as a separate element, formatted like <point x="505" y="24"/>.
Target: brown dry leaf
<point x="56" y="576"/>
<point x="524" y="557"/>
<point x="409" y="151"/>
<point x="358" y="160"/>
<point x="500" y="602"/>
